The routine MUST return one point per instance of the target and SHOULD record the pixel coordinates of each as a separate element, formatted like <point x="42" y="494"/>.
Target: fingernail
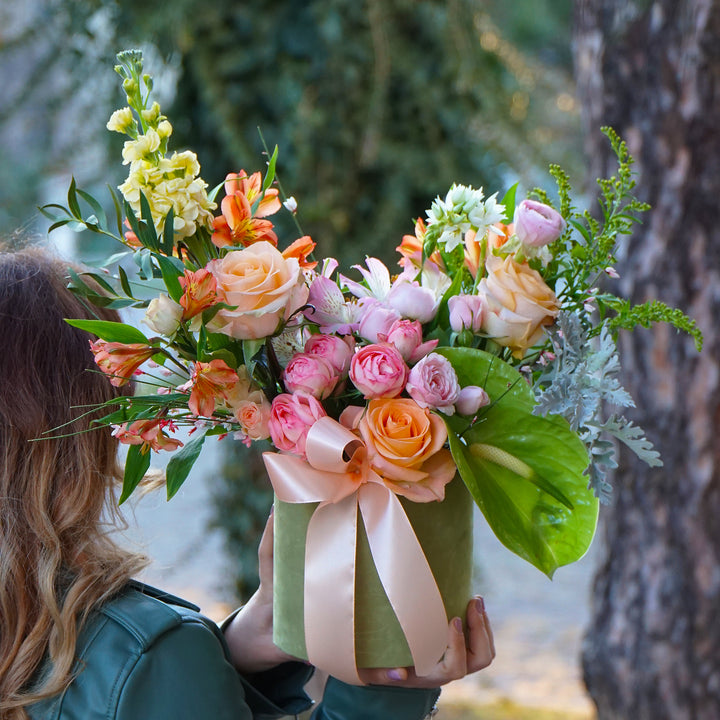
<point x="396" y="674"/>
<point x="480" y="605"/>
<point x="457" y="624"/>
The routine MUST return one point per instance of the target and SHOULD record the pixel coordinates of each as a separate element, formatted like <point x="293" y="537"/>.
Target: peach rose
<point x="519" y="304"/>
<point x="405" y="446"/>
<point x="264" y="287"/>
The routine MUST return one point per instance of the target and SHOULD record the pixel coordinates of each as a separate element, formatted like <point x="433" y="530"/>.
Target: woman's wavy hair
<point x="57" y="560"/>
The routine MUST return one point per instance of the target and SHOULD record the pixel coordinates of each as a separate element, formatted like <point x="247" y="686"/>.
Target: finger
<point x="265" y="553"/>
<point x="454" y="663"/>
<point x="481" y="648"/>
<point x="384" y="676"/>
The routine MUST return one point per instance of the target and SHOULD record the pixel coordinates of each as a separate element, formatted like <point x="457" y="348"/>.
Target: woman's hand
<point x="249" y="635"/>
<point x="464" y="655"/>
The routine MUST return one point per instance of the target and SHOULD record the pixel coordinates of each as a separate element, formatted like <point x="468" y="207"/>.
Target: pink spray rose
<point x="433" y="383"/>
<point x="471" y="399"/>
<point x="406" y="336"/>
<point x="466" y="313"/>
<point x="311" y="374"/>
<point x="291" y="416"/>
<point x="379" y="371"/>
<point x="537" y="224"/>
<point x="338" y="351"/>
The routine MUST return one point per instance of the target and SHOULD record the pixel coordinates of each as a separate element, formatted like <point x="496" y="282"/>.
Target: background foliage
<point x="377" y="106"/>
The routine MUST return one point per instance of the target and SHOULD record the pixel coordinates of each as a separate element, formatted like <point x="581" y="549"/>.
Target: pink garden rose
<point x="379" y="371"/>
<point x="311" y="374"/>
<point x="470" y="400"/>
<point x="291" y="416"/>
<point x="406" y="336"/>
<point x="537" y="224"/>
<point x="338" y="351"/>
<point x="433" y="384"/>
<point x="466" y="313"/>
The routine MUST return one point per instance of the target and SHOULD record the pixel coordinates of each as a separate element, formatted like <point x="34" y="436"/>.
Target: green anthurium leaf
<point x="526" y="476"/>
<point x="181" y="463"/>
<point x="501" y="382"/>
<point x="136" y="465"/>
<point x="110" y="331"/>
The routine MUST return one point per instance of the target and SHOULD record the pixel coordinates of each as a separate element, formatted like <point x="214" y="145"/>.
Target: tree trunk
<point x="651" y="70"/>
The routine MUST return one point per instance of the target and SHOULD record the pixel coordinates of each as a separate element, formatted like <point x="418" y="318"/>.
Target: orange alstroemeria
<point x="475" y="251"/>
<point x="412" y="245"/>
<point x="210" y="381"/>
<point x="148" y="433"/>
<point x="200" y="292"/>
<point x="251" y="187"/>
<point x="237" y="226"/>
<point x="300" y="249"/>
<point x="131" y="239"/>
<point x="120" y="360"/>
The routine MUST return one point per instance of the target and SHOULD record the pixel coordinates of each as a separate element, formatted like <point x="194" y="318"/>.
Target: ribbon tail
<point x="405" y="575"/>
<point x="330" y="589"/>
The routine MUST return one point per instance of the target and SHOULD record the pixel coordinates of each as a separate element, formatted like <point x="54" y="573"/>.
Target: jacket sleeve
<point x="185" y="675"/>
<point x="374" y="702"/>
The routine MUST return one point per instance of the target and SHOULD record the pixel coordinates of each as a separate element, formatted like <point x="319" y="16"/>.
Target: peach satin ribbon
<point x="338" y="476"/>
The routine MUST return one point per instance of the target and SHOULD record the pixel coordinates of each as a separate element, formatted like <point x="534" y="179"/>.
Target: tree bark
<point x="651" y="70"/>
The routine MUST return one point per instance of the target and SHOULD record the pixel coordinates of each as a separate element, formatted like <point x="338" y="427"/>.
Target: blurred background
<point x="378" y="106"/>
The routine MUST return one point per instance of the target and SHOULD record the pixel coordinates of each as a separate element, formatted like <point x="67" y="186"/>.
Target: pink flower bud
<point x="537" y="224"/>
<point x="375" y="319"/>
<point x="434" y="384"/>
<point x="406" y="336"/>
<point x="466" y="312"/>
<point x="471" y="399"/>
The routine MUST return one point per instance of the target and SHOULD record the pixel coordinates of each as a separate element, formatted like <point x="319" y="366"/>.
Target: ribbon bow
<point x="338" y="476"/>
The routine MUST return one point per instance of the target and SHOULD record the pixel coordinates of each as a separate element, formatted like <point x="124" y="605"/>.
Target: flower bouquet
<point x="480" y="372"/>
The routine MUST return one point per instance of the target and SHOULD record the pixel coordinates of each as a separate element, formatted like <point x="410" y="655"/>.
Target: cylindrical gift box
<point x="443" y="529"/>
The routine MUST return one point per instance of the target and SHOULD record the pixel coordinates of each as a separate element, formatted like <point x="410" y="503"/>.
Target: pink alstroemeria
<point x="120" y="360"/>
<point x="329" y="309"/>
<point x="147" y="433"/>
<point x="209" y="382"/>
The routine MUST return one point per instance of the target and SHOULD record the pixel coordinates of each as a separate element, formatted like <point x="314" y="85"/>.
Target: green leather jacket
<point x="147" y="655"/>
